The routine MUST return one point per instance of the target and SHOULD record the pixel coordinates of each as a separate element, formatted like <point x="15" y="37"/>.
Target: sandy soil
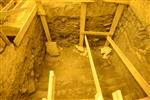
<point x="73" y="76"/>
<point x="74" y="79"/>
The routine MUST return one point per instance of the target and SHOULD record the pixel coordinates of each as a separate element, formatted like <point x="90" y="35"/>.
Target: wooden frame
<point x="117" y="95"/>
<point x="25" y="26"/>
<point x="82" y="22"/>
<point x="118" y="1"/>
<point x="115" y="22"/>
<point x="138" y="77"/>
<point x="99" y="95"/>
<point x="95" y="33"/>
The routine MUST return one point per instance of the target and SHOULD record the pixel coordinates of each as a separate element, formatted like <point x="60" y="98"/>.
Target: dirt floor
<point x="74" y="79"/>
<point x="73" y="76"/>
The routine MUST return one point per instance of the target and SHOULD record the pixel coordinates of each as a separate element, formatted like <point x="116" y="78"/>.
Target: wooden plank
<point x="51" y="86"/>
<point x="11" y="12"/>
<point x="48" y="1"/>
<point x="42" y="14"/>
<point x="144" y="85"/>
<point x="82" y="22"/>
<point x="46" y="29"/>
<point x="95" y="33"/>
<point x="10" y="30"/>
<point x="118" y="1"/>
<point x="117" y="95"/>
<point x="115" y="21"/>
<point x="26" y="25"/>
<point x="94" y="73"/>
<point x="10" y="4"/>
<point x="4" y="37"/>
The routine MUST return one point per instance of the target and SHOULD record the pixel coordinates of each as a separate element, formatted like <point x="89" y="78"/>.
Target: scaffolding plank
<point x="118" y="1"/>
<point x="138" y="77"/>
<point x="94" y="73"/>
<point x="95" y="33"/>
<point x="82" y="22"/>
<point x="25" y="26"/>
<point x="115" y="21"/>
<point x="117" y="95"/>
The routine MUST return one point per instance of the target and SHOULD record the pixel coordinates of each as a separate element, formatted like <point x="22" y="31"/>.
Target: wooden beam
<point x="4" y="37"/>
<point x="95" y="33"/>
<point x="51" y="86"/>
<point x="25" y="26"/>
<point x="115" y="22"/>
<point x="118" y="1"/>
<point x="117" y="95"/>
<point x="94" y="73"/>
<point x="138" y="77"/>
<point x="42" y="14"/>
<point x="11" y="12"/>
<point x="11" y="29"/>
<point x="82" y="22"/>
<point x="10" y="4"/>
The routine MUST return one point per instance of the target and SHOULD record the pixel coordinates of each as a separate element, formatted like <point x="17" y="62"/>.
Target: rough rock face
<point x="64" y="20"/>
<point x="133" y="39"/>
<point x="20" y="66"/>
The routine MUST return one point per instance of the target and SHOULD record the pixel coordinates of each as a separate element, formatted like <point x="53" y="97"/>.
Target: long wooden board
<point x="115" y="21"/>
<point x="94" y="73"/>
<point x="138" y="77"/>
<point x="82" y="22"/>
<point x="25" y="26"/>
<point x="95" y="33"/>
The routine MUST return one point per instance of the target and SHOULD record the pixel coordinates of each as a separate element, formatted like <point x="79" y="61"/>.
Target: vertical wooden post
<point x="42" y="14"/>
<point x="117" y="95"/>
<point x="82" y="22"/>
<point x="115" y="22"/>
<point x="51" y="86"/>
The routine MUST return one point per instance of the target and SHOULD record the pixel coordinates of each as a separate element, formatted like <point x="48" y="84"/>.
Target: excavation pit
<point x="80" y="72"/>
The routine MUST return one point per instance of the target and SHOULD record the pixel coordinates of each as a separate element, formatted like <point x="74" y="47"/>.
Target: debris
<point x="51" y="49"/>
<point x="79" y="48"/>
<point x="105" y="51"/>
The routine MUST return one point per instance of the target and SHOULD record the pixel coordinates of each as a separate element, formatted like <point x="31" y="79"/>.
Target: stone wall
<point x="64" y="20"/>
<point x="133" y="39"/>
<point x="20" y="66"/>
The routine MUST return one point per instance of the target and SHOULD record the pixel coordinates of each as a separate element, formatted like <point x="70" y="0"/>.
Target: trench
<point x="72" y="69"/>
